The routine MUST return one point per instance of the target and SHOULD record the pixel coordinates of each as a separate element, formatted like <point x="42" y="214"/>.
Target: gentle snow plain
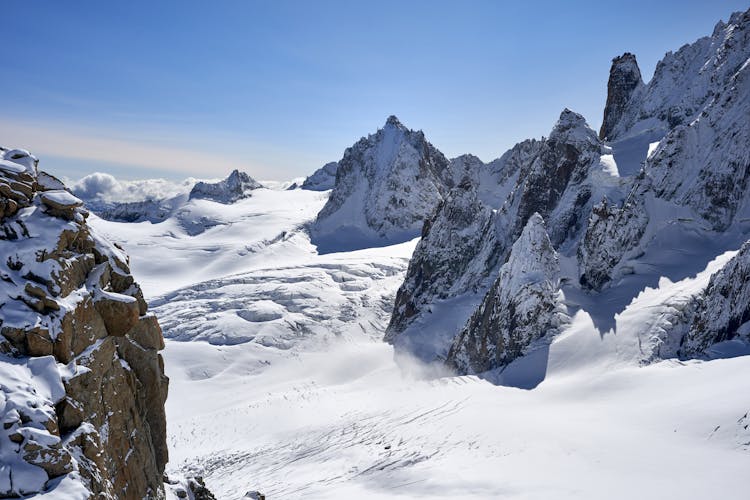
<point x="280" y="382"/>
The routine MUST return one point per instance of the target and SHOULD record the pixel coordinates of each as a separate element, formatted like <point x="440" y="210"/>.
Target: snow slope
<point x="279" y="382"/>
<point x="206" y="239"/>
<point x="347" y="423"/>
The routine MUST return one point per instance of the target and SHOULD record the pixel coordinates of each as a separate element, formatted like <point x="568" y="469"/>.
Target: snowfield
<point x="347" y="423"/>
<point x="280" y="381"/>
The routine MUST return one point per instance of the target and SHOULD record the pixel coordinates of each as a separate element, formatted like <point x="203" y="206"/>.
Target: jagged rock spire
<point x="520" y="308"/>
<point x="235" y="187"/>
<point x="386" y="185"/>
<point x="394" y="121"/>
<point x="624" y="78"/>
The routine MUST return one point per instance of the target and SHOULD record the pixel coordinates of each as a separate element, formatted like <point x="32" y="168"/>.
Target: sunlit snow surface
<point x="289" y="391"/>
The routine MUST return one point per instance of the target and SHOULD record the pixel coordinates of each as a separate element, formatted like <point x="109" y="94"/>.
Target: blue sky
<point x="177" y="89"/>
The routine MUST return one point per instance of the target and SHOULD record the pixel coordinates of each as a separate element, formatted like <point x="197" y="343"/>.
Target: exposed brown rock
<point x="624" y="78"/>
<point x="119" y="313"/>
<point x="78" y="302"/>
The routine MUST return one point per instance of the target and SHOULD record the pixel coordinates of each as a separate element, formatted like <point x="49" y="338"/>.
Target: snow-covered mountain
<point x="386" y="185"/>
<point x="235" y="187"/>
<point x="322" y="179"/>
<point x="605" y="225"/>
<point x="606" y="273"/>
<point x="560" y="177"/>
<point x="156" y="200"/>
<point x="697" y="175"/>
<point x="101" y="190"/>
<point x="139" y="211"/>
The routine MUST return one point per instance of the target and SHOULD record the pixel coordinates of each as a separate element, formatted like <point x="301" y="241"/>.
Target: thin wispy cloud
<point x="112" y="147"/>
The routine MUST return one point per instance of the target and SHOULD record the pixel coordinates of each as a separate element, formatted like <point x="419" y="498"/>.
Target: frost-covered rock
<point x="468" y="239"/>
<point x="686" y="81"/>
<point x="322" y="179"/>
<point x="386" y="185"/>
<point x="611" y="233"/>
<point x="459" y="250"/>
<point x="188" y="487"/>
<point x="18" y="161"/>
<point x="624" y="80"/>
<point x="560" y="182"/>
<point x="700" y="170"/>
<point x="722" y="311"/>
<point x="521" y="307"/>
<point x="154" y="211"/>
<point x="83" y="386"/>
<point x="235" y="187"/>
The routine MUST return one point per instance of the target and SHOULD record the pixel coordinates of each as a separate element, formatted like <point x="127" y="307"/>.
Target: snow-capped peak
<point x="386" y="185"/>
<point x="571" y="128"/>
<point x="235" y="187"/>
<point x="393" y="121"/>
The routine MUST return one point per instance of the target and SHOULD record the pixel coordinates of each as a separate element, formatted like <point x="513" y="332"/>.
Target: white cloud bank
<point x="106" y="187"/>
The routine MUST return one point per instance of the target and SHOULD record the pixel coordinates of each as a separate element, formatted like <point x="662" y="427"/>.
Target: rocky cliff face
<point x="521" y="307"/>
<point x="235" y="187"/>
<point x="722" y="311"/>
<point x="700" y="170"/>
<point x="154" y="211"/>
<point x="472" y="232"/>
<point x="386" y="185"/>
<point x="694" y="181"/>
<point x="561" y="182"/>
<point x="83" y="385"/>
<point x="624" y="80"/>
<point x="458" y="251"/>
<point x="612" y="233"/>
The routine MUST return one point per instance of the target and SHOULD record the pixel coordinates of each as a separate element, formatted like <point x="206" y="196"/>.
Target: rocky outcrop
<point x="722" y="311"/>
<point x="83" y="400"/>
<point x="612" y="232"/>
<point x="154" y="211"/>
<point x="624" y="79"/>
<point x="459" y="249"/>
<point x="685" y="82"/>
<point x="700" y="170"/>
<point x="189" y="487"/>
<point x="560" y="181"/>
<point x="322" y="179"/>
<point x="198" y="489"/>
<point x="467" y="240"/>
<point x="386" y="185"/>
<point x="254" y="495"/>
<point x="235" y="187"/>
<point x="521" y="307"/>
